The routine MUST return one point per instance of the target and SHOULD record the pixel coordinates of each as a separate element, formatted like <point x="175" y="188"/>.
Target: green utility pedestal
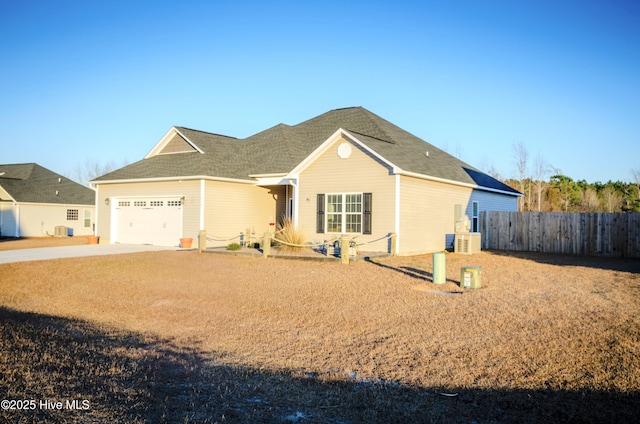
<point x="470" y="277"/>
<point x="439" y="268"/>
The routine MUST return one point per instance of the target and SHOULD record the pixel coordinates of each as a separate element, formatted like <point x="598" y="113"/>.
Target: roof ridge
<point x="368" y="115"/>
<point x="205" y="132"/>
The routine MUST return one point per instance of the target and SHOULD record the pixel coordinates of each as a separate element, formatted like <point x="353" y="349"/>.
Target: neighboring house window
<point x="72" y="214"/>
<point x="344" y="213"/>
<point x="475" y="218"/>
<point x="87" y="218"/>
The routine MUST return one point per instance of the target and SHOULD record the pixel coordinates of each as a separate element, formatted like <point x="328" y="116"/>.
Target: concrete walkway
<point x="44" y="253"/>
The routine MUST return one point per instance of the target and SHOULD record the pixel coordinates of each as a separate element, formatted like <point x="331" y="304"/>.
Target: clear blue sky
<point x="104" y="80"/>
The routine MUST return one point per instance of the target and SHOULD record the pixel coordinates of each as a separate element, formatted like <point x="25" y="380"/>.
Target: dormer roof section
<point x="174" y="141"/>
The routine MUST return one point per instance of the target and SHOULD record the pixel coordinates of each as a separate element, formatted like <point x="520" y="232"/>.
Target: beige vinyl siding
<point x="359" y="173"/>
<point x="40" y="220"/>
<point x="427" y="214"/>
<point x="191" y="208"/>
<point x="177" y="144"/>
<point x="231" y="208"/>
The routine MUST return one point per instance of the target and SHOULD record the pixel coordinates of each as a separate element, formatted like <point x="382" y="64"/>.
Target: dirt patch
<point x="240" y="338"/>
<point x="10" y="243"/>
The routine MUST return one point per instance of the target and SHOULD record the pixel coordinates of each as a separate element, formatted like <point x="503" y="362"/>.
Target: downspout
<point x="95" y="218"/>
<point x="397" y="212"/>
<point x="296" y="203"/>
<point x="17" y="220"/>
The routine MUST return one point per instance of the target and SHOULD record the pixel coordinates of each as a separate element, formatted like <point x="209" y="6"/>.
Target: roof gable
<point x="177" y="144"/>
<point x="284" y="149"/>
<point x="173" y="142"/>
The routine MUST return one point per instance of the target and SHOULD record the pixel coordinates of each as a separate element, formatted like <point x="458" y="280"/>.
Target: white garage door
<point x="147" y="220"/>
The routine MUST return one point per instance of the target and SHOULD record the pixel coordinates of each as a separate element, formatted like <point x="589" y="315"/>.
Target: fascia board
<point x="166" y="139"/>
<point x="76" y="205"/>
<point x="266" y="181"/>
<point x="456" y="183"/>
<point x="183" y="178"/>
<point x="295" y="172"/>
<point x="278" y="174"/>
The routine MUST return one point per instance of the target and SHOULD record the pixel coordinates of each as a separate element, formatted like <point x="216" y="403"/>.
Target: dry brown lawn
<point x="187" y="337"/>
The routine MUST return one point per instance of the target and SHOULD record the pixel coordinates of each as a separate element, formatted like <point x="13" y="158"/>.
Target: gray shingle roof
<point x="281" y="148"/>
<point x="32" y="183"/>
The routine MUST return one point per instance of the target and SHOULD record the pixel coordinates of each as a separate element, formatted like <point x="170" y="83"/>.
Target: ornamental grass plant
<point x="289" y="239"/>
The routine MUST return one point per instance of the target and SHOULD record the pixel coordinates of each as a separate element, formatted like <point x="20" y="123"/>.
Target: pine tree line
<point x="560" y="193"/>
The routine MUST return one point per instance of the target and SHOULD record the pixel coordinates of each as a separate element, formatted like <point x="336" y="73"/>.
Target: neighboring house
<point x="346" y="171"/>
<point x="35" y="200"/>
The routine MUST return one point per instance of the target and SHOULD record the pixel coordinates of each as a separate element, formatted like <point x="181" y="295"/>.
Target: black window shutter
<point x="366" y="213"/>
<point x="320" y="214"/>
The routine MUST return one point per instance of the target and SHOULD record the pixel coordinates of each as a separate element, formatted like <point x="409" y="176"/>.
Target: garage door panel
<point x="148" y="221"/>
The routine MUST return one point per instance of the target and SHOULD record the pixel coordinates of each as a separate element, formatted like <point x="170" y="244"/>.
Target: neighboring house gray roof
<point x="281" y="148"/>
<point x="32" y="183"/>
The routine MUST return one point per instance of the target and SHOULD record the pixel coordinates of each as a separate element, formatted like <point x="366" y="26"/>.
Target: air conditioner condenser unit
<point x="467" y="243"/>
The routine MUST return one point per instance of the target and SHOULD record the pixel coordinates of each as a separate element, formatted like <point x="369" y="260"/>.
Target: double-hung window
<point x="344" y="213"/>
<point x="475" y="218"/>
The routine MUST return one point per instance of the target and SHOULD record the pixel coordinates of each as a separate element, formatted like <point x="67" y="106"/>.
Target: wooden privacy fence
<point x="588" y="234"/>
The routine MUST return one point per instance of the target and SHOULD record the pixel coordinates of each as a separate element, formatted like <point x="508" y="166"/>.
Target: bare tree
<point x="636" y="179"/>
<point x="611" y="199"/>
<point x="520" y="155"/>
<point x="90" y="169"/>
<point x="589" y="200"/>
<point x="540" y="170"/>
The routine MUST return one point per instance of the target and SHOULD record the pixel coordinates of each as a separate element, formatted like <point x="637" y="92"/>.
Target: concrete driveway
<point x="44" y="253"/>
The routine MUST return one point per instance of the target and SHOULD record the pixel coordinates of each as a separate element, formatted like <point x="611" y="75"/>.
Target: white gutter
<point x="457" y="183"/>
<point x="77" y="205"/>
<point x="278" y="174"/>
<point x="184" y="178"/>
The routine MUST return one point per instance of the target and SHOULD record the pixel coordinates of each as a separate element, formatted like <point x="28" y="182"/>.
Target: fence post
<point x="247" y="237"/>
<point x="344" y="249"/>
<point x="266" y="244"/>
<point x="202" y="241"/>
<point x="392" y="238"/>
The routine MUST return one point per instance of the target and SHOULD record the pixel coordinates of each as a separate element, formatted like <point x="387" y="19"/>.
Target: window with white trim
<point x="475" y="217"/>
<point x="344" y="213"/>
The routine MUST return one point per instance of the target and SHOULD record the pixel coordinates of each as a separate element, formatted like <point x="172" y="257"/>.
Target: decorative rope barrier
<point x="219" y="239"/>
<point x="304" y="245"/>
<point x="373" y="241"/>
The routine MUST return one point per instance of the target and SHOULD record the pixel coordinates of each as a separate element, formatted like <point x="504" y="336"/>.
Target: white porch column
<point x="201" y="205"/>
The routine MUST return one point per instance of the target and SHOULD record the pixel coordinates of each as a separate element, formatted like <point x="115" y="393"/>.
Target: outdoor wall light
<point x="106" y="201"/>
<point x="182" y="199"/>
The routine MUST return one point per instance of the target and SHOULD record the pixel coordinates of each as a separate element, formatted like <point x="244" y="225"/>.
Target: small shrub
<point x="234" y="246"/>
